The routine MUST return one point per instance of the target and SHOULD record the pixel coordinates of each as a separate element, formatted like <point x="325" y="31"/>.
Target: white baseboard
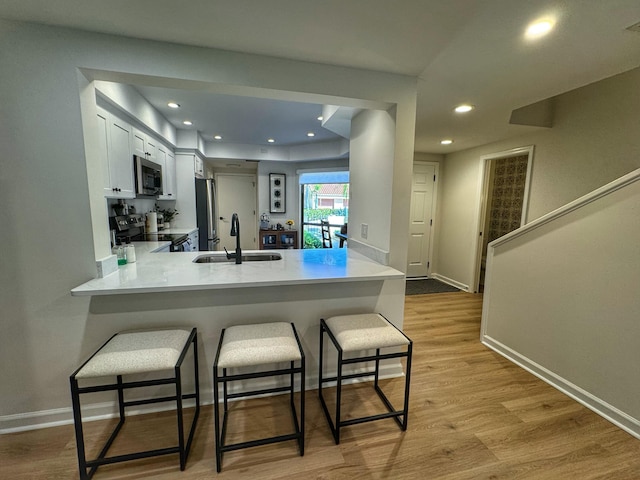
<point x="449" y="281"/>
<point x="34" y="420"/>
<point x="626" y="422"/>
<point x="100" y="411"/>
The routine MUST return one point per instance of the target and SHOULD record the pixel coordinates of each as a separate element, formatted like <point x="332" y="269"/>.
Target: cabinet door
<point x="171" y="176"/>
<point x="138" y="142"/>
<point x="120" y="159"/>
<point x="168" y="162"/>
<point x="288" y="239"/>
<point x="194" y="238"/>
<point x="151" y="147"/>
<point x="198" y="167"/>
<point x="103" y="150"/>
<point x="161" y="156"/>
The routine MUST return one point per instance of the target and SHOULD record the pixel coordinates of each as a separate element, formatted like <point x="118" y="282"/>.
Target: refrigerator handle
<point x="210" y="209"/>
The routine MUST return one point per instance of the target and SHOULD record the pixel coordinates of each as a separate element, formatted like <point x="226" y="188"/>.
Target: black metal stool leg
<point x="77" y="421"/>
<point x="89" y="467"/>
<point x="183" y="459"/>
<point x="341" y="376"/>
<point x="302" y="404"/>
<point x="338" y="398"/>
<point x="288" y="372"/>
<point x="216" y="408"/>
<point x="407" y="384"/>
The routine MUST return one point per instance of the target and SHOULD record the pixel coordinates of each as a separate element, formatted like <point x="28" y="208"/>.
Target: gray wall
<point x="595" y="139"/>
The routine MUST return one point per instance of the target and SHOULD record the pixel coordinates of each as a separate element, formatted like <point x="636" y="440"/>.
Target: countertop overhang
<point x="172" y="272"/>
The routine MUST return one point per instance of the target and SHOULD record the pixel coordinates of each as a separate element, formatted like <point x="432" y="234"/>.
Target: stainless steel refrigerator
<point x="206" y="214"/>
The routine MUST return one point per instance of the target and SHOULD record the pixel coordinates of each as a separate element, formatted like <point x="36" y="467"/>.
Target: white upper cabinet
<point x="198" y="167"/>
<point x="118" y="142"/>
<point x="114" y="136"/>
<point x="144" y="145"/>
<point x="169" y="180"/>
<point x="103" y="148"/>
<point x="165" y="157"/>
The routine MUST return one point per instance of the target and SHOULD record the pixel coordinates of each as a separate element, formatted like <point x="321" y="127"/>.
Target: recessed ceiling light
<point x="539" y="28"/>
<point x="464" y="108"/>
<point x="217" y="137"/>
<point x="320" y="118"/>
<point x="188" y="122"/>
<point x="271" y="140"/>
<point x="311" y="134"/>
<point x="173" y="105"/>
<point x="446" y="141"/>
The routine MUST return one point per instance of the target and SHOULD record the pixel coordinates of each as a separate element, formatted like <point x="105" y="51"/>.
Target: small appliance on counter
<point x="152" y="222"/>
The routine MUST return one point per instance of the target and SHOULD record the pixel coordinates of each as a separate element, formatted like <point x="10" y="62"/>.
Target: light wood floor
<point x="473" y="415"/>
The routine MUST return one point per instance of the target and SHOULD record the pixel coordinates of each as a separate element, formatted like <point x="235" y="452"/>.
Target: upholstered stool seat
<point x="254" y="346"/>
<point x="354" y="335"/>
<point x="137" y="352"/>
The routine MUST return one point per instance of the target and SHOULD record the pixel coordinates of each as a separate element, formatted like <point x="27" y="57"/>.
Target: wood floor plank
<point x="473" y="415"/>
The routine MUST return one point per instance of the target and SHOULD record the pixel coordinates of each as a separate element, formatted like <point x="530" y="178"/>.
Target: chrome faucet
<point x="235" y="232"/>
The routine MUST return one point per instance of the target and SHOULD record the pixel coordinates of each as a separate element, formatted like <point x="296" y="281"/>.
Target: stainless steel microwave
<point x="148" y="176"/>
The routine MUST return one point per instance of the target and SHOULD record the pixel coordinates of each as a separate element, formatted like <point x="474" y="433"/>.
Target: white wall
<point x="595" y="139"/>
<point x="292" y="195"/>
<point x="46" y="169"/>
<point x="372" y="153"/>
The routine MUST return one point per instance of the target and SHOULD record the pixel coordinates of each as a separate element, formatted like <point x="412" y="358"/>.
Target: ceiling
<point x="460" y="50"/>
<point x="244" y="120"/>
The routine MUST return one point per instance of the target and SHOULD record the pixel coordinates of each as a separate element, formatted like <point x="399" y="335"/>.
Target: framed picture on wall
<point x="277" y="192"/>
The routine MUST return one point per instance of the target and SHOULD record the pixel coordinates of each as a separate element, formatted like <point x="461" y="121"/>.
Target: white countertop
<point x="178" y="231"/>
<point x="162" y="272"/>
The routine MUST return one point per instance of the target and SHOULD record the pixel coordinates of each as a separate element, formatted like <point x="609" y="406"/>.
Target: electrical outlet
<point x="364" y="230"/>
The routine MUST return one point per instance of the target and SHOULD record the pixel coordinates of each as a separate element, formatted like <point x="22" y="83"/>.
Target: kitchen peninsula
<point x="164" y="273"/>
<point x="169" y="289"/>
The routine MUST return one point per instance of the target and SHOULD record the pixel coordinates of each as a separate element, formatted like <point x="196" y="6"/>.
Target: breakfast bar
<point x="164" y="273"/>
<point x="170" y="289"/>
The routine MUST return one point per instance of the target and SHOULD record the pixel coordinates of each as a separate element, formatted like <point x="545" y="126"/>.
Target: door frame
<point x="434" y="210"/>
<point x="483" y="193"/>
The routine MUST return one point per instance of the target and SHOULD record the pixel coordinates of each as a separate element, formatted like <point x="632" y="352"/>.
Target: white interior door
<point x="420" y="224"/>
<point x="237" y="194"/>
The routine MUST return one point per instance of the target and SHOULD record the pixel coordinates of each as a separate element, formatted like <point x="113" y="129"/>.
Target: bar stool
<point x="355" y="333"/>
<point x="137" y="352"/>
<point x="251" y="346"/>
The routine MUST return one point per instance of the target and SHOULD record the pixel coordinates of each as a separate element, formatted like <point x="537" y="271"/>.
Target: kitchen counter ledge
<point x="172" y="272"/>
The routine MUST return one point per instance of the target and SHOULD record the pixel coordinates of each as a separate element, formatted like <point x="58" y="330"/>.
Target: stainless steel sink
<point x="246" y="257"/>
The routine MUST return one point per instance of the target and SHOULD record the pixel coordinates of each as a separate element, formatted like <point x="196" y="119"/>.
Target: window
<point x="324" y="196"/>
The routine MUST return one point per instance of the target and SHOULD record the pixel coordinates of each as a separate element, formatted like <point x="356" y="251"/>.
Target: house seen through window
<point x="324" y="196"/>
